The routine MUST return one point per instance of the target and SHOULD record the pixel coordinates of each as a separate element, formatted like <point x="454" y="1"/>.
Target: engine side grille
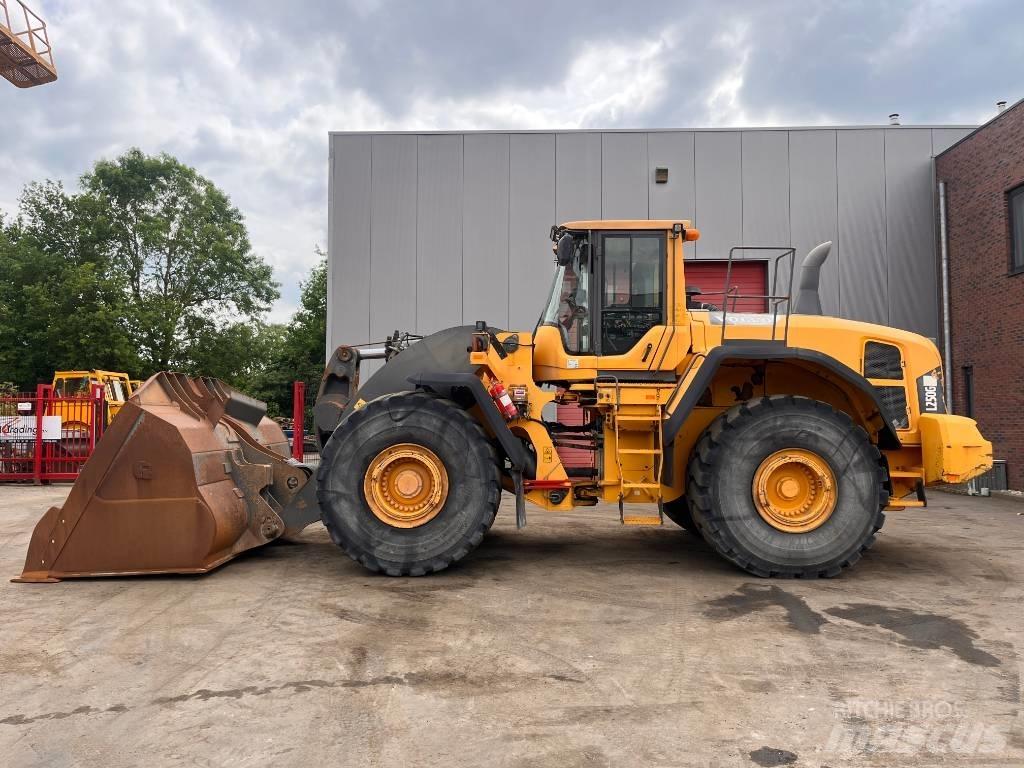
<point x="894" y="400"/>
<point x="882" y="361"/>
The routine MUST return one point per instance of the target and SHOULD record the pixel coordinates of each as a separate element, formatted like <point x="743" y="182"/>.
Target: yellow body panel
<point x="953" y="449"/>
<point x="935" y="447"/>
<point x="117" y="389"/>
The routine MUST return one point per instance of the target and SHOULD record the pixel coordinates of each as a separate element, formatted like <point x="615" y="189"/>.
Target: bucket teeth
<point x="188" y="475"/>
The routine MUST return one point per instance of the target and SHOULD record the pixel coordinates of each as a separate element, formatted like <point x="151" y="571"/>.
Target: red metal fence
<point x="47" y="437"/>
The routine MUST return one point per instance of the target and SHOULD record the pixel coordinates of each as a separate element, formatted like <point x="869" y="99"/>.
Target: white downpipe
<point x="947" y="346"/>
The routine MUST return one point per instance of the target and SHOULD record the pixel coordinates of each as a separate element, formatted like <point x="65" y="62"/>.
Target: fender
<point x="443" y="382"/>
<point x="754" y="351"/>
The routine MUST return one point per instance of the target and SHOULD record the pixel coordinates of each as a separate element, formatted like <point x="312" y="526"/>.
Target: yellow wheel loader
<point x="780" y="437"/>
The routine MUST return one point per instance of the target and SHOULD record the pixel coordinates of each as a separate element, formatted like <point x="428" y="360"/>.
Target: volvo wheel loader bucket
<point x="189" y="474"/>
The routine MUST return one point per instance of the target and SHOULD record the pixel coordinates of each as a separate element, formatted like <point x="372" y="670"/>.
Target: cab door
<point x="632" y="316"/>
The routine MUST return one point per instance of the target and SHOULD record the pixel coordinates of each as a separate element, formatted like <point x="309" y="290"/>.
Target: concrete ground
<point x="575" y="642"/>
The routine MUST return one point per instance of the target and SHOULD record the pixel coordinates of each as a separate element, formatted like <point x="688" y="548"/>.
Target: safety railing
<point x="731" y="294"/>
<point x="46" y="437"/>
<point x="304" y="449"/>
<point x="26" y="58"/>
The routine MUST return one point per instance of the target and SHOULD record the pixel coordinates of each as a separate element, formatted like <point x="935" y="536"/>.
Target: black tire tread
<point x="718" y="439"/>
<point x="446" y="409"/>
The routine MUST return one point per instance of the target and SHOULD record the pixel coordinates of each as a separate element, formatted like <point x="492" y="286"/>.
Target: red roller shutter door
<point x="750" y="278"/>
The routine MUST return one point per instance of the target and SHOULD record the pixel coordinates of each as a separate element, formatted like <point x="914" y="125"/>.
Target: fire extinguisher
<point x="503" y="401"/>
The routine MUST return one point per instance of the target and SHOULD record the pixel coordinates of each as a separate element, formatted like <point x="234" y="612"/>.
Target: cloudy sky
<point x="247" y="91"/>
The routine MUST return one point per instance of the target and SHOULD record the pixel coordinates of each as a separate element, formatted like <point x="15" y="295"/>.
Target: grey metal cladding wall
<point x="439" y="233"/>
<point x="485" y="228"/>
<point x="814" y="205"/>
<point x="624" y="176"/>
<point x="676" y="199"/>
<point x="910" y="231"/>
<point x="430" y="230"/>
<point x="944" y="138"/>
<point x="348" y="241"/>
<point x="863" y="265"/>
<point x="765" y="178"/>
<point x="393" y="235"/>
<point x="577" y="176"/>
<point x="718" y="210"/>
<point x="531" y="214"/>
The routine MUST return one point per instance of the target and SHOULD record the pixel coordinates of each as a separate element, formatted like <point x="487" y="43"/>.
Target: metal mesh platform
<point x="26" y="58"/>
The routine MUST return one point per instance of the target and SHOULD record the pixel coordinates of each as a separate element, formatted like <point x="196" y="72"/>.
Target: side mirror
<point x="564" y="249"/>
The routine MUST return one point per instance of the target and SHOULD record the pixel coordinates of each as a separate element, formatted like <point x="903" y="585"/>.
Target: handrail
<point x="775" y="299"/>
<point x="31" y="35"/>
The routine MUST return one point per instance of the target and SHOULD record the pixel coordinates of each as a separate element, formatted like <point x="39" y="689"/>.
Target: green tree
<point x="60" y="301"/>
<point x="183" y="250"/>
<point x="298" y="354"/>
<point x="147" y="268"/>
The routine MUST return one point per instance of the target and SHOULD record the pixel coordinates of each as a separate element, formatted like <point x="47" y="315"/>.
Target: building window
<point x="1016" y="230"/>
<point x="969" y="391"/>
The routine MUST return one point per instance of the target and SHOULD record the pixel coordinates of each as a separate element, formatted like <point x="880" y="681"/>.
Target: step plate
<point x="647" y="520"/>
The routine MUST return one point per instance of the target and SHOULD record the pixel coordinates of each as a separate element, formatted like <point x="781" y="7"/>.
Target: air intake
<point x="882" y="361"/>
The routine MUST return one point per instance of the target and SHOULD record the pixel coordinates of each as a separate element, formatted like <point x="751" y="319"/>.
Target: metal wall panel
<point x="863" y="268"/>
<point x="531" y="214"/>
<point x="718" y="211"/>
<point x="910" y="231"/>
<point x="485" y="229"/>
<point x="765" y="178"/>
<point x="577" y="176"/>
<point x="439" y="233"/>
<point x="393" y="236"/>
<point x="624" y="176"/>
<point x="814" y="206"/>
<point x="430" y="230"/>
<point x="944" y="138"/>
<point x="676" y="198"/>
<point x="348" y="243"/>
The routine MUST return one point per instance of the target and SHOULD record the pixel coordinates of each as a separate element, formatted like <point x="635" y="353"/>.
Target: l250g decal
<point x="929" y="392"/>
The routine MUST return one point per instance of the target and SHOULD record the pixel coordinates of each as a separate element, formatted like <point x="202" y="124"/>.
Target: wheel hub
<point x="794" y="490"/>
<point x="406" y="485"/>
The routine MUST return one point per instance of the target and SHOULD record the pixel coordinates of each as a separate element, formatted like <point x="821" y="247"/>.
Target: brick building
<point x="983" y="180"/>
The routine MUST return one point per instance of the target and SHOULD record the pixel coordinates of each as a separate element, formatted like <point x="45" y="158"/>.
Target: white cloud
<point x="247" y="91"/>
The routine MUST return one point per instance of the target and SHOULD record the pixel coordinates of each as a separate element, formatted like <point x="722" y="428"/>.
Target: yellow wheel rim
<point x="794" y="490"/>
<point x="406" y="485"/>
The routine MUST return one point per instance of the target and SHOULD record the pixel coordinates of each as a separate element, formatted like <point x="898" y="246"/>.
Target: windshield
<point x="77" y="385"/>
<point x="568" y="307"/>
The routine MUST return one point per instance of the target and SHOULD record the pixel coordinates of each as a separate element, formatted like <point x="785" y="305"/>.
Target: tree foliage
<point x="300" y="349"/>
<point x="147" y="267"/>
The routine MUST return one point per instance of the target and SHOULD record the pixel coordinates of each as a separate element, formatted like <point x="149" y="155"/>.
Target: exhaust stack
<point x="808" y="301"/>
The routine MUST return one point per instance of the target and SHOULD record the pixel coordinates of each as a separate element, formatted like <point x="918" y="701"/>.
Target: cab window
<point x="633" y="296"/>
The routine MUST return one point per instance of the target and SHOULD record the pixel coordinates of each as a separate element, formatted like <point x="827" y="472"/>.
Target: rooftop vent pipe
<point x="894" y="118"/>
<point x="1000" y="106"/>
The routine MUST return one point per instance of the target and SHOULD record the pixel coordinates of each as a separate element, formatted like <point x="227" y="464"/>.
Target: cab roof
<point x="628" y="224"/>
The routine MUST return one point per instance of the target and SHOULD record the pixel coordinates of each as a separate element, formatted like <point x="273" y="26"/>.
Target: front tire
<point x="787" y="486"/>
<point x="408" y="484"/>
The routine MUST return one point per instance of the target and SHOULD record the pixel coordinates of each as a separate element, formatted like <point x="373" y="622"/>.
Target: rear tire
<point x="446" y="434"/>
<point x="722" y="477"/>
<point x="678" y="511"/>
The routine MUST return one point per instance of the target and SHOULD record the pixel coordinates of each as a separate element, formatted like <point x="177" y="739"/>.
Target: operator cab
<point x="611" y="298"/>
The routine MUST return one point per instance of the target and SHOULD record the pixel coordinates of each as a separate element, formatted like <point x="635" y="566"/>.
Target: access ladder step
<point x="640" y="485"/>
<point x="641" y="520"/>
<point x="648" y="451"/>
<point x="635" y="417"/>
